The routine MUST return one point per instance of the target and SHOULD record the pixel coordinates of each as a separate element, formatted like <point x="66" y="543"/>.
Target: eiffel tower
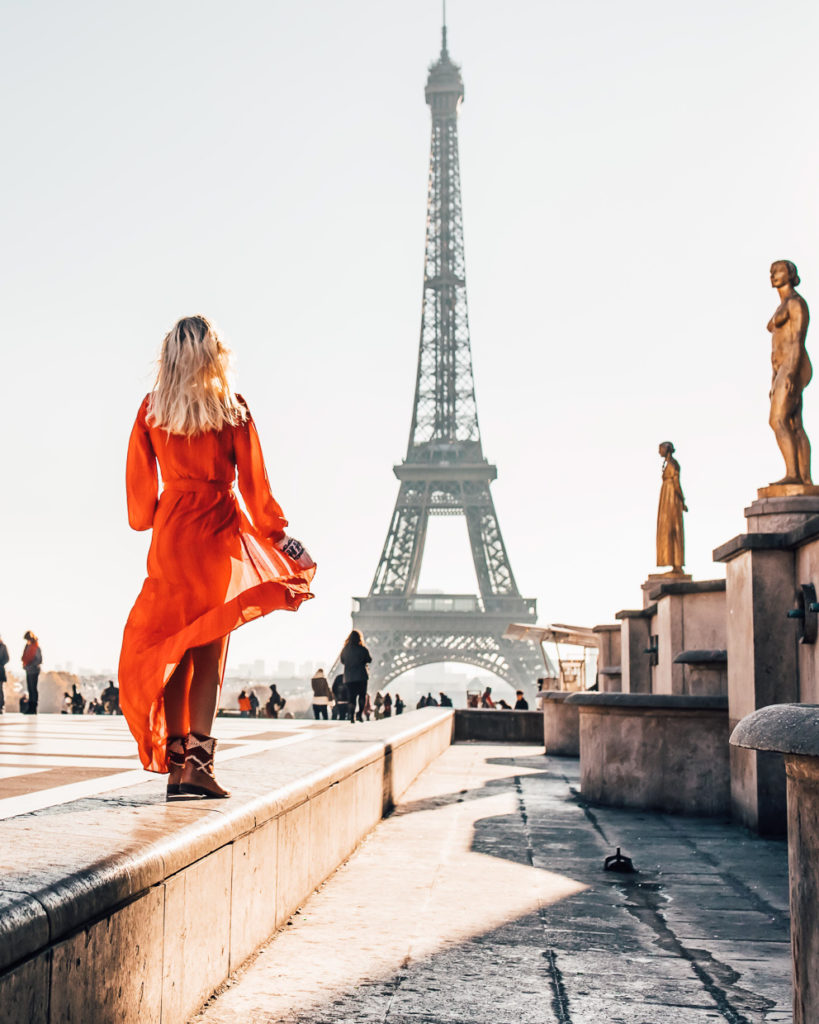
<point x="445" y="472"/>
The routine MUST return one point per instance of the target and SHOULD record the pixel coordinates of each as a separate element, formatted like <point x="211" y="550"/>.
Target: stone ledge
<point x="702" y="657"/>
<point x="71" y="872"/>
<point x="787" y="541"/>
<point x="637" y="613"/>
<point x="694" y="587"/>
<point x="784" y="728"/>
<point x="650" y="701"/>
<point x="556" y="695"/>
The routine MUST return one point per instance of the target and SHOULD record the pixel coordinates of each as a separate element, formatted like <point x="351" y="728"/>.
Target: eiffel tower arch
<point x="445" y="472"/>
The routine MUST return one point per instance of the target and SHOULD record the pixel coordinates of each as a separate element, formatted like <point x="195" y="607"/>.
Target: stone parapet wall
<point x="657" y="752"/>
<point x="561" y="725"/>
<point x="498" y="726"/>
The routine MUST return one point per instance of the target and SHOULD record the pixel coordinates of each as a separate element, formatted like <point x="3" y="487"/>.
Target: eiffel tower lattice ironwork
<point x="445" y="472"/>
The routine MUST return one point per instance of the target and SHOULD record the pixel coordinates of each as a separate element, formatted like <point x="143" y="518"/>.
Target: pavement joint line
<point x="648" y="898"/>
<point x="586" y="808"/>
<point x="560" y="998"/>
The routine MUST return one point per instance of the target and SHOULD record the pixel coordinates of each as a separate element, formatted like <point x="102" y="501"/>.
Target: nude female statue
<point x="792" y="372"/>
<point x="670" y="537"/>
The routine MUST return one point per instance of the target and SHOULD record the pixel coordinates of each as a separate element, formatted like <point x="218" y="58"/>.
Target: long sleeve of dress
<point x="141" y="480"/>
<point x="264" y="510"/>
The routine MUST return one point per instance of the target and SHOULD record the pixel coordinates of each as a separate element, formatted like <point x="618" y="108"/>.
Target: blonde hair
<point x="192" y="393"/>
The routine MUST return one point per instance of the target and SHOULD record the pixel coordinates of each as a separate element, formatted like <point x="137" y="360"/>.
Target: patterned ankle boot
<point x="176" y="764"/>
<point x="198" y="778"/>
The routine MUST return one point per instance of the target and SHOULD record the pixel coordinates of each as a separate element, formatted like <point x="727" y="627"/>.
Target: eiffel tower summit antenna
<point x="444" y="471"/>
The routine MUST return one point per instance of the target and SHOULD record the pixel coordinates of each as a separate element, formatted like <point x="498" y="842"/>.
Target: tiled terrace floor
<point x="47" y="760"/>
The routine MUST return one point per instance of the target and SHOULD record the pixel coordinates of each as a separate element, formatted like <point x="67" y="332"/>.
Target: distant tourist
<point x="445" y="702"/>
<point x="275" y="703"/>
<point x="341" y="698"/>
<point x="521" y="704"/>
<point x="379" y="706"/>
<point x="486" y="698"/>
<point x="399" y="705"/>
<point x="473" y="700"/>
<point x="431" y="701"/>
<point x="387" y="706"/>
<point x="244" y="705"/>
<point x="422" y="703"/>
<point x="503" y="705"/>
<point x="254" y="704"/>
<point x="4" y="660"/>
<point x="368" y="708"/>
<point x="322" y="695"/>
<point x="32" y="660"/>
<point x="355" y="658"/>
<point x="110" y="699"/>
<point x="77" y="701"/>
<point x="209" y="569"/>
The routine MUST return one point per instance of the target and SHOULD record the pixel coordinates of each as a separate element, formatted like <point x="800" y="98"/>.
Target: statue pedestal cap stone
<point x="782" y="507"/>
<point x="654" y="579"/>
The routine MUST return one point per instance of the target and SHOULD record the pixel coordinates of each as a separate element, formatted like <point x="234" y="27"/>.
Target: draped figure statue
<point x="670" y="538"/>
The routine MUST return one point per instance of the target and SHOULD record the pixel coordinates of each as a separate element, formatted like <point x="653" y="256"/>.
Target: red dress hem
<point x="160" y="663"/>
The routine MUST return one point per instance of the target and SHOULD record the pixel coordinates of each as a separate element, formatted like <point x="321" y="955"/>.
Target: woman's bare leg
<point x="177" y="697"/>
<point x="198" y="778"/>
<point x="204" y="687"/>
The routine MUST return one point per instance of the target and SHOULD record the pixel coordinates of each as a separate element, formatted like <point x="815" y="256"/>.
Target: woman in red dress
<point x="209" y="569"/>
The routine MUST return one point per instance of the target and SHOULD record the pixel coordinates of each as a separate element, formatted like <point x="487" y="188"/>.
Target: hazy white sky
<point x="629" y="170"/>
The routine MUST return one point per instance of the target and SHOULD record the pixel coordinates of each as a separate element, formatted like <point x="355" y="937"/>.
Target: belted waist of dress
<point x="186" y="484"/>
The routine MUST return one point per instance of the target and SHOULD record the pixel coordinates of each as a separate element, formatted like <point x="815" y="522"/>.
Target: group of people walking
<point x="32" y="659"/>
<point x="348" y="697"/>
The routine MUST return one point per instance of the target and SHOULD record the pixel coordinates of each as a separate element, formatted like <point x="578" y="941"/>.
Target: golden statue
<point x="670" y="539"/>
<point x="792" y="372"/>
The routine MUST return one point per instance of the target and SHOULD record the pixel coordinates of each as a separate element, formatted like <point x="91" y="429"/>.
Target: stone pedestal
<point x="792" y="730"/>
<point x="690" y="630"/>
<point x="763" y="660"/>
<point x="656" y="752"/>
<point x="635" y="640"/>
<point x="609" y="668"/>
<point x="561" y="724"/>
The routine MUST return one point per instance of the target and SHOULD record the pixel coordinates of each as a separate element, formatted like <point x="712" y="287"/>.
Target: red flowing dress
<point x="209" y="569"/>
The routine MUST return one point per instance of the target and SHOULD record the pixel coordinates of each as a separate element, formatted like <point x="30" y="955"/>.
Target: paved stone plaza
<point x="483" y="899"/>
<point x="46" y="760"/>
